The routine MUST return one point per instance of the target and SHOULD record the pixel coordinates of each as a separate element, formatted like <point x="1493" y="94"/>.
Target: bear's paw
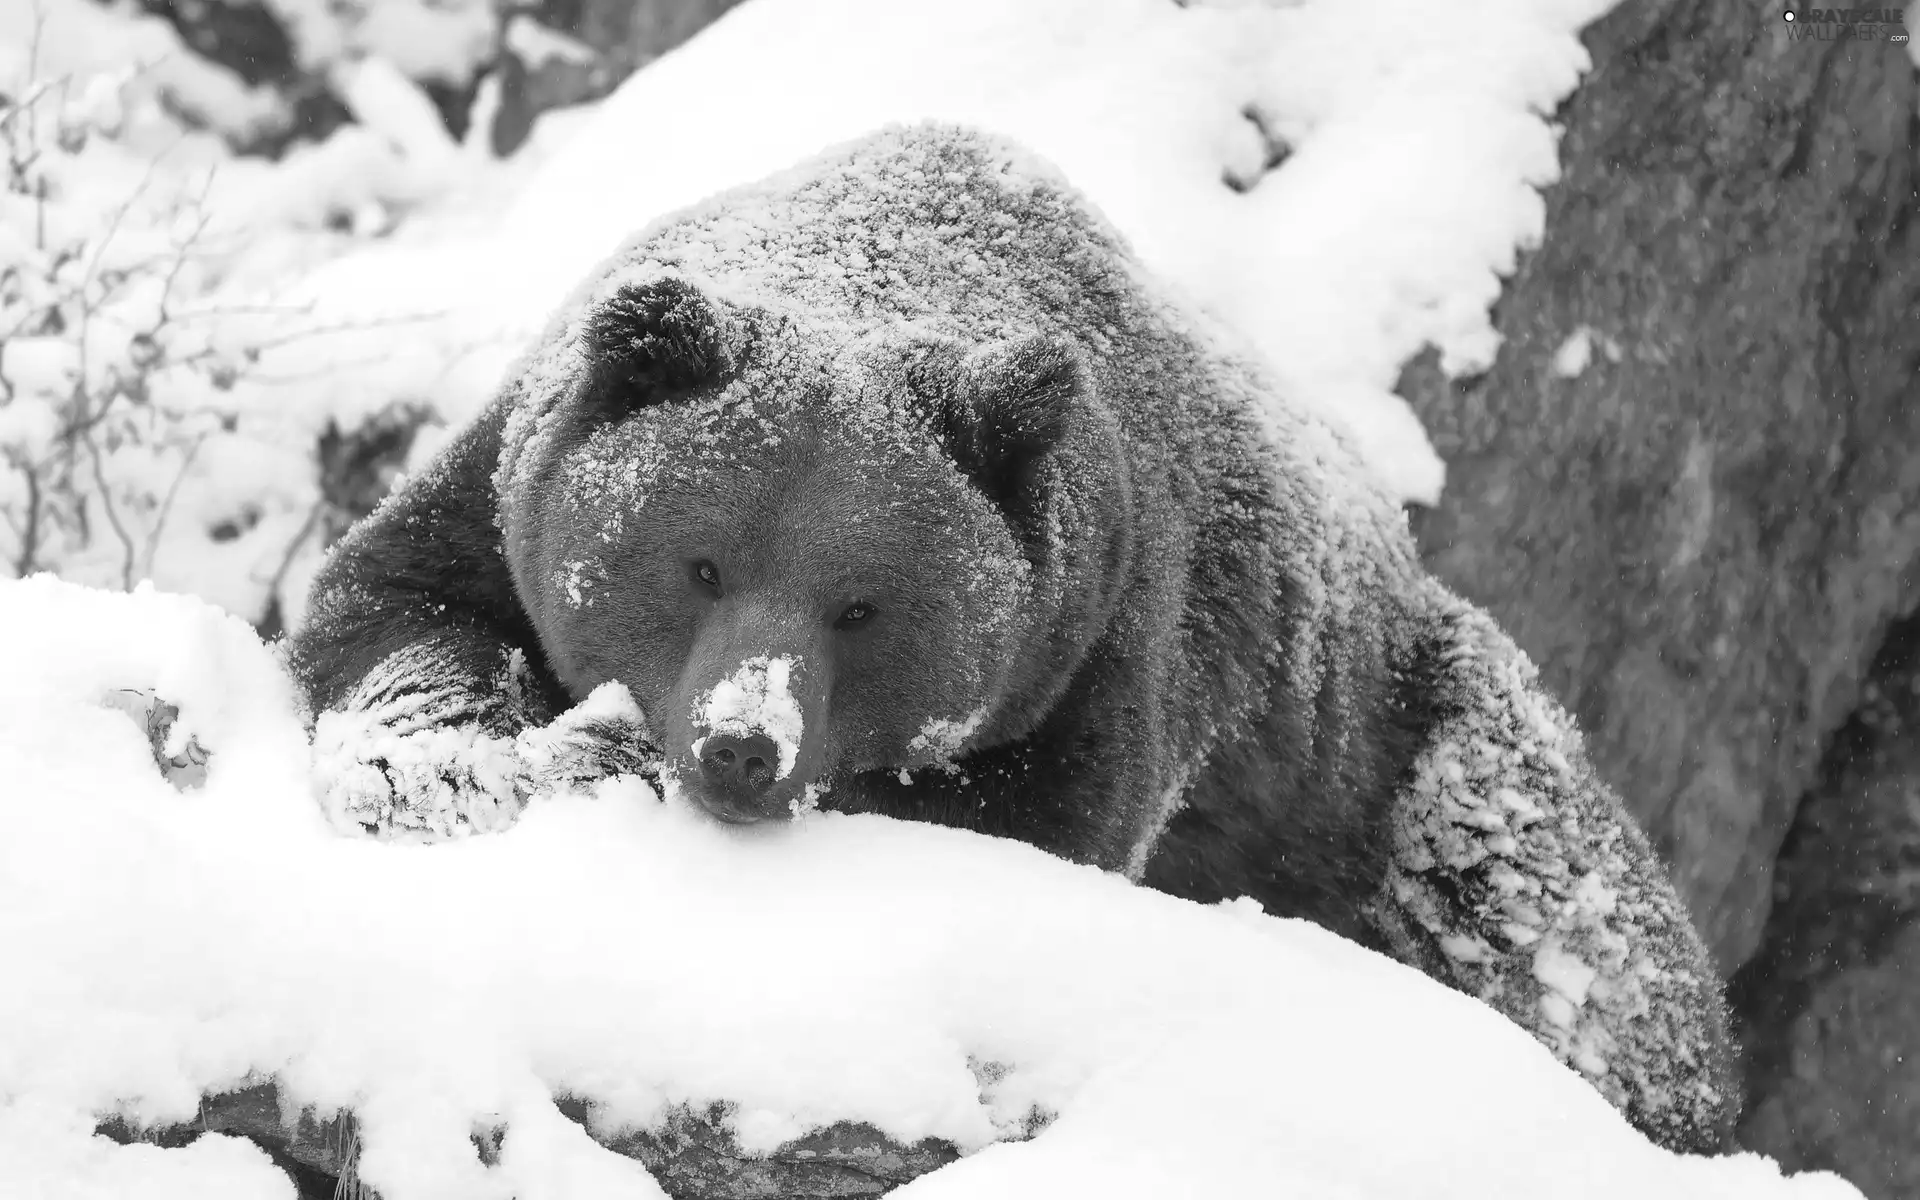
<point x="425" y="784"/>
<point x="603" y="736"/>
<point x="434" y="782"/>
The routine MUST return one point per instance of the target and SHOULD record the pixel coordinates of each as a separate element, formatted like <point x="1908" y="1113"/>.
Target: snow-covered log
<point x="692" y="1155"/>
<point x="165" y="944"/>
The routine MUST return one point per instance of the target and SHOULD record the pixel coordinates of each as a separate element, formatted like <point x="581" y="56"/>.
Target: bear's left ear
<point x="653" y="342"/>
<point x="1018" y="402"/>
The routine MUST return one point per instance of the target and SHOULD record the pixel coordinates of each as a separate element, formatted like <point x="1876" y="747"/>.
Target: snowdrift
<point x="160" y="945"/>
<point x="1414" y="144"/>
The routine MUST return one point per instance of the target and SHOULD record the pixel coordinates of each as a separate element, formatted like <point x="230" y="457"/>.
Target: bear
<point x="895" y="484"/>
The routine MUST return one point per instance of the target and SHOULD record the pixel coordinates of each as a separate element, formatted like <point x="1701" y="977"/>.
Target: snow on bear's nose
<point x="749" y="727"/>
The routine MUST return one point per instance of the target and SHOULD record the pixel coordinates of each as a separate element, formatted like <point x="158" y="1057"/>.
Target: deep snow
<point x="160" y="944"/>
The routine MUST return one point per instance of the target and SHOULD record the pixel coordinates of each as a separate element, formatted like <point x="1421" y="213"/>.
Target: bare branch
<point x="166" y="503"/>
<point x="292" y="550"/>
<point x="113" y="514"/>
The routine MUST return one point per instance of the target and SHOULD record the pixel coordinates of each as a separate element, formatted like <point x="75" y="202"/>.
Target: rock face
<point x="549" y="54"/>
<point x="1690" y="488"/>
<point x="1704" y="534"/>
<point x="1831" y="1005"/>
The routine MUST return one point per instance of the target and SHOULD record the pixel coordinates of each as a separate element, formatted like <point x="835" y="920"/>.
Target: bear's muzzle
<point x="751" y="735"/>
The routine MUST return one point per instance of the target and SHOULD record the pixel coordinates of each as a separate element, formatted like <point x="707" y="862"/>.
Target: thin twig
<point x="113" y="515"/>
<point x="166" y="504"/>
<point x="279" y="576"/>
<point x="30" y="537"/>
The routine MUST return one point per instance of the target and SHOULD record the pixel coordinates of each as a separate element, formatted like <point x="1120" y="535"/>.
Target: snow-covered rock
<point x="161" y="944"/>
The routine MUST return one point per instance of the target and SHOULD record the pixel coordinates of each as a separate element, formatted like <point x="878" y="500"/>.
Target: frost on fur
<point x="1518" y="878"/>
<point x="416" y="755"/>
<point x="942" y="738"/>
<point x="602" y="736"/>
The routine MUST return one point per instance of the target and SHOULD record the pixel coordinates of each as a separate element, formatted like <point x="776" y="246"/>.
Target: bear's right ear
<point x="654" y="342"/>
<point x="1018" y="401"/>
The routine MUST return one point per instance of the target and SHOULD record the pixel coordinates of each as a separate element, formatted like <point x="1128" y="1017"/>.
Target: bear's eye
<point x="854" y="614"/>
<point x="708" y="574"/>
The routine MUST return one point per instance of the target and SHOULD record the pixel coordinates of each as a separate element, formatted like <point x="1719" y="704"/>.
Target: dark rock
<point x="1831" y="1004"/>
<point x="621" y="36"/>
<point x="1848" y="1098"/>
<point x="1702" y="537"/>
<point x="692" y="1156"/>
<point x="185" y="769"/>
<point x="357" y="468"/>
<point x="358" y="465"/>
<point x="243" y="36"/>
<point x="247" y="38"/>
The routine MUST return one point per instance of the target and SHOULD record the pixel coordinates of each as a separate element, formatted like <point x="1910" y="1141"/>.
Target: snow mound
<point x="162" y="943"/>
<point x="1345" y="188"/>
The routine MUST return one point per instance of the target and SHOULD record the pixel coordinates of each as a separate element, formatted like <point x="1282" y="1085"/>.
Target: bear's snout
<point x="752" y="735"/>
<point x="738" y="771"/>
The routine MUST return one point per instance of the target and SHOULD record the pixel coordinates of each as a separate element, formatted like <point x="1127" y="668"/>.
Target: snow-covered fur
<point x="1516" y="877"/>
<point x="1134" y="606"/>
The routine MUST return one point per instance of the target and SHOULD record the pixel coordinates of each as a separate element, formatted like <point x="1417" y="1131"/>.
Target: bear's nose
<point x="740" y="765"/>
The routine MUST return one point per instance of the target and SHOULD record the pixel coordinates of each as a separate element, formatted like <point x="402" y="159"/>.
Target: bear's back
<point x="931" y="224"/>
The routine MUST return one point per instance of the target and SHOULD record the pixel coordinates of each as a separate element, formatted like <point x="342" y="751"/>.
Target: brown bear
<point x="895" y="484"/>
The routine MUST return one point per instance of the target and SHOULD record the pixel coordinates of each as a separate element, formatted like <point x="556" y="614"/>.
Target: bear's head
<point x="811" y="553"/>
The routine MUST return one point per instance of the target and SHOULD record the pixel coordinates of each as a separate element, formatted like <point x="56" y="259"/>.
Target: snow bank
<point x="1414" y="142"/>
<point x="162" y="944"/>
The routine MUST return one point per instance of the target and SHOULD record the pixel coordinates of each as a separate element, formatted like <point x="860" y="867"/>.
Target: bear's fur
<point x="900" y="477"/>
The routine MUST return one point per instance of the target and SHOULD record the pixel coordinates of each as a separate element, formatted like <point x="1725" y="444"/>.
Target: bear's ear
<point x="1017" y="403"/>
<point x="653" y="342"/>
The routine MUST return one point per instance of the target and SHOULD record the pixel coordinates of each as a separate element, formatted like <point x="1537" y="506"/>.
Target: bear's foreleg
<point x="1519" y="878"/>
<point x="431" y="700"/>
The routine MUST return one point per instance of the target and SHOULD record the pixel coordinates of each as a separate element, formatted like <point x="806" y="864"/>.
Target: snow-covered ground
<point x="155" y="945"/>
<point x="160" y="944"/>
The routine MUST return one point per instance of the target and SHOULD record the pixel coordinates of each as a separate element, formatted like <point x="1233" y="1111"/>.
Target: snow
<point x="121" y="62"/>
<point x="1513" y="855"/>
<point x="439" y="40"/>
<point x="387" y="102"/>
<point x="943" y="737"/>
<point x="1411" y="179"/>
<point x="162" y="944"/>
<point x="755" y="699"/>
<point x="534" y="44"/>
<point x="1576" y="352"/>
